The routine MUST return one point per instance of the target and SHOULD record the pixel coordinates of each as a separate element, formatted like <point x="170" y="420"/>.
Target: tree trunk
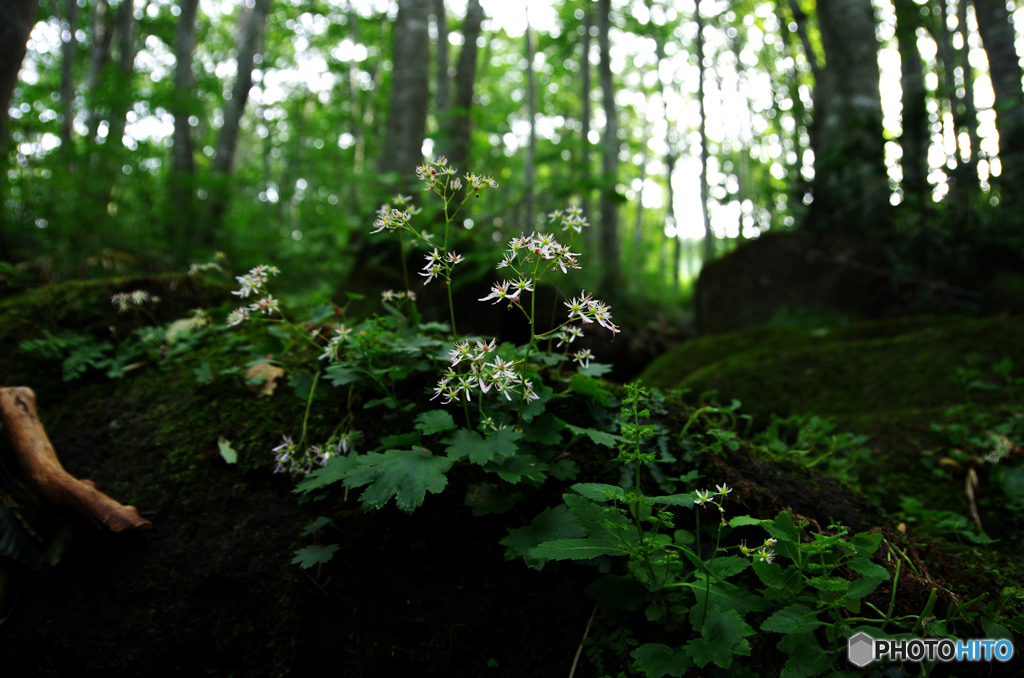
<point x="251" y="24"/>
<point x="182" y="215"/>
<point x="442" y="96"/>
<point x="410" y="91"/>
<point x="851" y="189"/>
<point x="670" y="166"/>
<point x="19" y="18"/>
<point x="128" y="46"/>
<point x="101" y="43"/>
<point x="585" y="115"/>
<point x="459" y="126"/>
<point x="970" y="112"/>
<point x="914" y="138"/>
<point x="609" y="225"/>
<point x="997" y="36"/>
<point x="69" y="44"/>
<point x="529" y="209"/>
<point x="709" y="235"/>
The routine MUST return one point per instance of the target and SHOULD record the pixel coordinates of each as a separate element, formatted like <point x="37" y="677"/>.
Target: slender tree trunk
<point x="670" y="166"/>
<point x="531" y="150"/>
<point x="126" y="30"/>
<point x="609" y="233"/>
<point x="797" y="184"/>
<point x="997" y="36"/>
<point x="914" y="138"/>
<point x="585" y="115"/>
<point x="101" y="44"/>
<point x="709" y="235"/>
<point x="851" y="187"/>
<point x="442" y="97"/>
<point x="970" y="112"/>
<point x="69" y="44"/>
<point x="19" y="18"/>
<point x="251" y="24"/>
<point x="410" y="91"/>
<point x="459" y="123"/>
<point x="183" y="213"/>
<point x="638" y="219"/>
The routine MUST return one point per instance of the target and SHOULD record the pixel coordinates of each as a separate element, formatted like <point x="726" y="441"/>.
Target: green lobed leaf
<point x="862" y="565"/>
<point x="514" y="469"/>
<point x="685" y="500"/>
<point x="434" y="421"/>
<point x="783" y="528"/>
<point x="544" y="430"/>
<point x="795" y="618"/>
<point x="586" y="385"/>
<point x="316" y="526"/>
<point x="549" y="525"/>
<point x="806" y="656"/>
<point x="574" y="549"/>
<point x="657" y="660"/>
<point x="723" y="636"/>
<point x="487" y="498"/>
<point x="342" y="375"/>
<point x="314" y="555"/>
<point x="337" y="468"/>
<point x="592" y="518"/>
<point x="406" y="475"/>
<point x="480" y="450"/>
<point x="598" y="437"/>
<point x="398" y="440"/>
<point x="739" y="521"/>
<point x="599" y="491"/>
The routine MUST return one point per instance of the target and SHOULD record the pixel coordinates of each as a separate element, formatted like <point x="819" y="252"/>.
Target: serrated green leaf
<point x="740" y="521"/>
<point x="795" y="618"/>
<point x="592" y="517"/>
<point x="595" y="369"/>
<point x="684" y="500"/>
<point x="724" y="635"/>
<point x="226" y="451"/>
<point x="316" y="525"/>
<point x="434" y="421"/>
<point x="657" y="660"/>
<point x="869" y="542"/>
<point x="480" y="450"/>
<point x="551" y="524"/>
<point x="573" y="549"/>
<point x="598" y="437"/>
<point x="806" y="656"/>
<point x="337" y="468"/>
<point x="314" y="555"/>
<point x="399" y="440"/>
<point x="544" y="430"/>
<point x="342" y="375"/>
<point x="863" y="566"/>
<point x="728" y="566"/>
<point x="586" y="385"/>
<point x="406" y="475"/>
<point x="487" y="498"/>
<point x="783" y="528"/>
<point x="513" y="469"/>
<point x="563" y="469"/>
<point x="725" y="596"/>
<point x="599" y="492"/>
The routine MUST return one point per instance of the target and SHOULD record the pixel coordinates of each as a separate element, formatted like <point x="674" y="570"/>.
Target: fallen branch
<point x="44" y="474"/>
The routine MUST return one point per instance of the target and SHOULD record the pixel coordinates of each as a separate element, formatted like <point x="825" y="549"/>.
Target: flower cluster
<point x="440" y="265"/>
<point x="136" y="299"/>
<point x="764" y="552"/>
<point x="705" y="497"/>
<point x="332" y="351"/>
<point x="200" y="318"/>
<point x="590" y="310"/>
<point x="570" y="219"/>
<point x="290" y="459"/>
<point x="391" y="295"/>
<point x="198" y="268"/>
<point x="1003" y="446"/>
<point x="390" y="218"/>
<point x="482" y="375"/>
<point x="434" y="176"/>
<point x="254" y="282"/>
<point x="538" y="247"/>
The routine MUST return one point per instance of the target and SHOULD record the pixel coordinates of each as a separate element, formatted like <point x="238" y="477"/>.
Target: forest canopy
<point x="150" y="134"/>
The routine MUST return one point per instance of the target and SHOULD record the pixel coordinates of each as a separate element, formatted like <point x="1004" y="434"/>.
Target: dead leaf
<point x="262" y="378"/>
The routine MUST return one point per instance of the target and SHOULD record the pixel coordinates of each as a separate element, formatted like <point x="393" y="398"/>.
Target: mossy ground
<point x="211" y="590"/>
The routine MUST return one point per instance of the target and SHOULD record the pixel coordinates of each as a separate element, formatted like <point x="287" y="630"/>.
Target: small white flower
<point x="238" y="316"/>
<point x="723" y="489"/>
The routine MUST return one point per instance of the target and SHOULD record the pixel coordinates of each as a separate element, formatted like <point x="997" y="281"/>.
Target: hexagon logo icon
<point x="861" y="650"/>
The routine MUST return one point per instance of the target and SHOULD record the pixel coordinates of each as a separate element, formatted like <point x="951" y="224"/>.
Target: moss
<point x="211" y="588"/>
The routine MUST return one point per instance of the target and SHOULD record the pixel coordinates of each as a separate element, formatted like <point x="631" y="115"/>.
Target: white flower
<point x="723" y="489"/>
<point x="583" y="357"/>
<point x="238" y="316"/>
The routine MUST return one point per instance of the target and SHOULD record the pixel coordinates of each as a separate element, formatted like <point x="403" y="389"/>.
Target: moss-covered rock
<point x="211" y="588"/>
